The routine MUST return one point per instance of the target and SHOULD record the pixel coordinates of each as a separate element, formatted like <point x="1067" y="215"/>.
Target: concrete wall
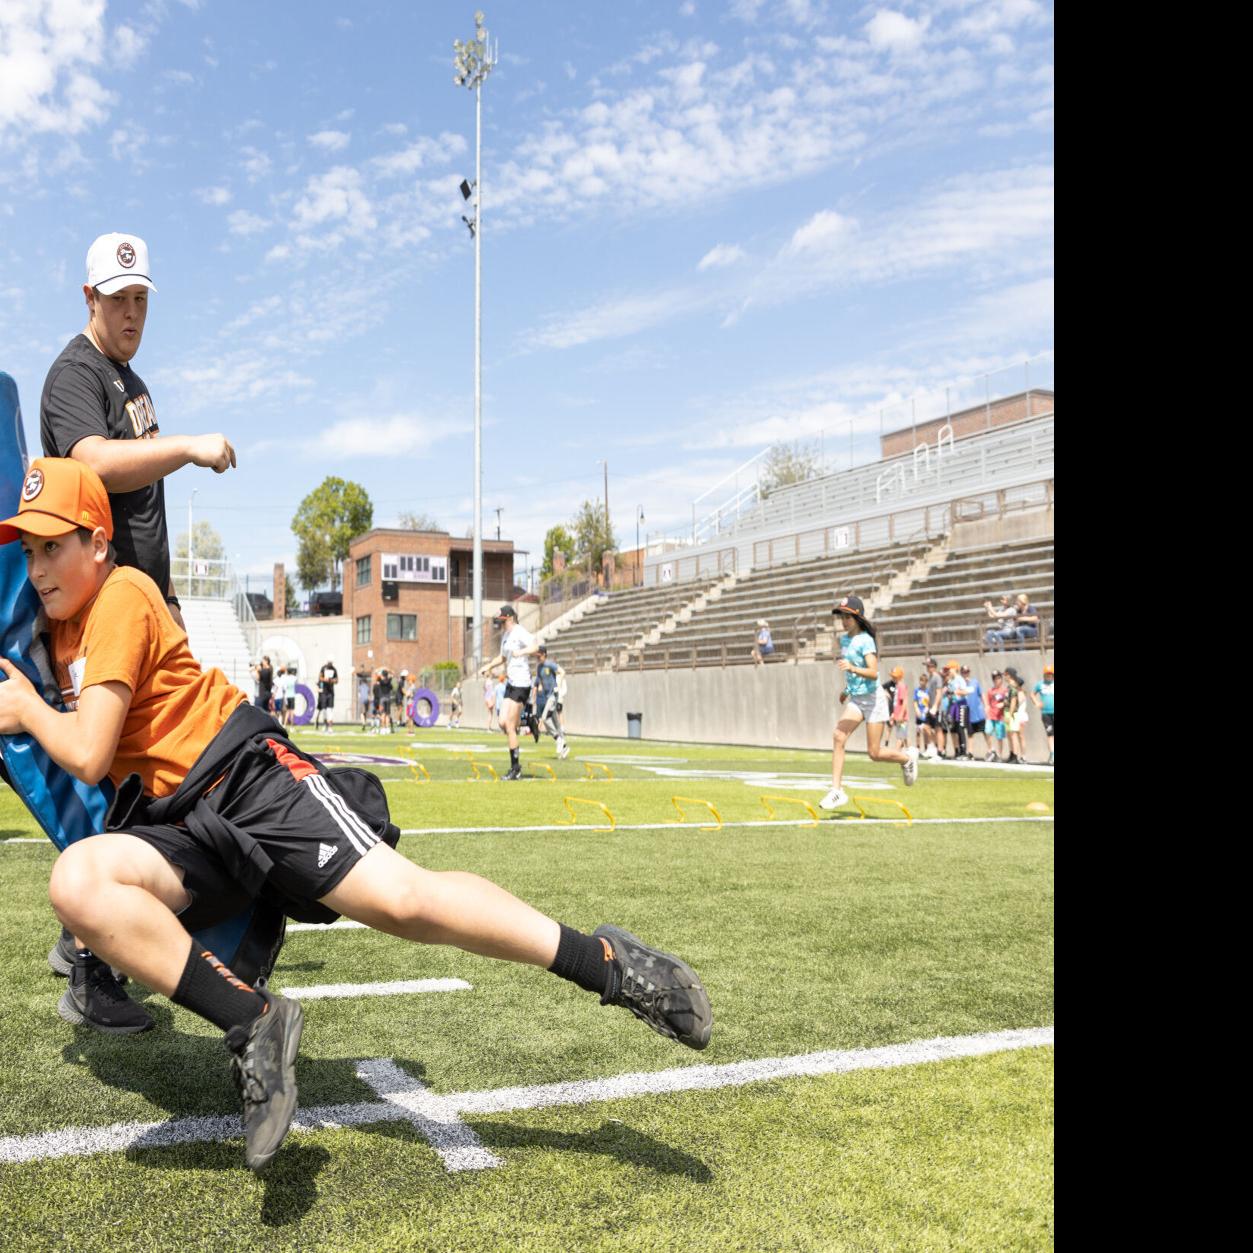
<point x="310" y="643"/>
<point x="781" y="705"/>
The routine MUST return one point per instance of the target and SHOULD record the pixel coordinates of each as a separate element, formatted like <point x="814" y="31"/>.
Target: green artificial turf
<point x="843" y="935"/>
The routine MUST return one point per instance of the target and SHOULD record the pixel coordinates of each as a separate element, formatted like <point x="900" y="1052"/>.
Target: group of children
<point x="950" y="708"/>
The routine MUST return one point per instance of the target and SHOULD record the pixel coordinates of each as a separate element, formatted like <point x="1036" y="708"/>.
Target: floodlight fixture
<point x="466" y="189"/>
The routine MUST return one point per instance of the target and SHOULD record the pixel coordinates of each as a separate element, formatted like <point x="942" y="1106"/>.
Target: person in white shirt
<point x="517" y="647"/>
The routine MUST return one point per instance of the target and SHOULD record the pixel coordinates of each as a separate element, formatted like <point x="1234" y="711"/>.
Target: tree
<point x="558" y="538"/>
<point x="789" y="463"/>
<point x="207" y="547"/>
<point x="328" y="520"/>
<point x="418" y="522"/>
<point x="593" y="534"/>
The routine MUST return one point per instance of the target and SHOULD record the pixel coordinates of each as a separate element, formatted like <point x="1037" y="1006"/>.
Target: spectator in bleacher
<point x="1042" y="698"/>
<point x="764" y="645"/>
<point x="863" y="700"/>
<point x="933" y="732"/>
<point x="920" y="713"/>
<point x="1027" y="621"/>
<point x="998" y="698"/>
<point x="1016" y="716"/>
<point x="1004" y="630"/>
<point x="978" y="715"/>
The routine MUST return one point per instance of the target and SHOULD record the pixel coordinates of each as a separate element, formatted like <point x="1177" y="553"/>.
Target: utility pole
<point x="473" y="61"/>
<point x="499" y="511"/>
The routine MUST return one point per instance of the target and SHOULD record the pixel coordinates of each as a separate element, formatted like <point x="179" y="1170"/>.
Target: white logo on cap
<point x="33" y="486"/>
<point x="125" y="254"/>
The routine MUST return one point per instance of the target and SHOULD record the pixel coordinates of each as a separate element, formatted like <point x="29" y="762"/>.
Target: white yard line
<point x="344" y="924"/>
<point x="438" y="1117"/>
<point x="696" y="826"/>
<point x="400" y="987"/>
<point x="652" y="826"/>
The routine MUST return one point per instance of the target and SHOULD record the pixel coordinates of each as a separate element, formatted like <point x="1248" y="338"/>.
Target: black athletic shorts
<point x="309" y="829"/>
<point x="520" y="695"/>
<point x="1047" y="719"/>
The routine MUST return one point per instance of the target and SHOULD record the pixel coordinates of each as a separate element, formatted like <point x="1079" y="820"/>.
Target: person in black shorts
<point x="383" y="700"/>
<point x="328" y="676"/>
<point x="216" y="808"/>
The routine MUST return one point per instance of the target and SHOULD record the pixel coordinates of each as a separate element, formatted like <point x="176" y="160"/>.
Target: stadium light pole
<point x="639" y="558"/>
<point x="473" y="61"/>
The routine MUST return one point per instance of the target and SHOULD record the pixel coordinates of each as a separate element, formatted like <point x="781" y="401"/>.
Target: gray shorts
<point x="873" y="705"/>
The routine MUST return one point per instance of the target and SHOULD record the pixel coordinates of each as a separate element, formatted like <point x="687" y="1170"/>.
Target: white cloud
<point x="403" y="434"/>
<point x="256" y="164"/>
<point x="823" y="232"/>
<point x="215" y="195"/>
<point x="241" y="222"/>
<point x="330" y="141"/>
<point x="422" y="152"/>
<point x="337" y="200"/>
<point x="50" y="59"/>
<point x="720" y="256"/>
<point x="890" y="31"/>
<point x="127" y="46"/>
<point x="611" y="319"/>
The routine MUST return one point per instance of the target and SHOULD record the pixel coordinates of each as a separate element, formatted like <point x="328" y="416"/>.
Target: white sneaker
<point x="910" y="768"/>
<point x="834" y="799"/>
<point x="931" y="754"/>
<point x="563" y="750"/>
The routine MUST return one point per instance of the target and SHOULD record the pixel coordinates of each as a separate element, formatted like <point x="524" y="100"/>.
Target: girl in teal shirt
<point x="863" y="700"/>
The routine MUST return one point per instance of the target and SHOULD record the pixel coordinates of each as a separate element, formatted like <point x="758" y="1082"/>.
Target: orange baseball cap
<point x="59" y="495"/>
<point x="898" y="673"/>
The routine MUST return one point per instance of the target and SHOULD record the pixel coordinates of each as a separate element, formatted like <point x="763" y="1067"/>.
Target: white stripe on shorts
<point x="359" y="835"/>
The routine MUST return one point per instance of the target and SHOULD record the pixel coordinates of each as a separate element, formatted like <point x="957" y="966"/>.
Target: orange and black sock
<point x="210" y="989"/>
<point x="583" y="959"/>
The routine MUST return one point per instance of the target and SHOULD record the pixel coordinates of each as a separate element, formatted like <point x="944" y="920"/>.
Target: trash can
<point x="635" y="726"/>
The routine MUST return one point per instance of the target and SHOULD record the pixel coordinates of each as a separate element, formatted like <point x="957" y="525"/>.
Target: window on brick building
<point x="364" y="631"/>
<point x="402" y="626"/>
<point x="363" y="571"/>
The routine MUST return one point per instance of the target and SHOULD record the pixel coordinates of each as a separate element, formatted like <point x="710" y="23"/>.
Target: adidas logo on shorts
<point x="325" y="853"/>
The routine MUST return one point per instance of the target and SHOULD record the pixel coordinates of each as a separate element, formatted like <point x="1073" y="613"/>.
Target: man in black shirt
<point x="328" y="676"/>
<point x="96" y="409"/>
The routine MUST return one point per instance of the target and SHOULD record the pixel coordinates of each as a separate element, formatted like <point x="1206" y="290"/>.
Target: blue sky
<point x="706" y="227"/>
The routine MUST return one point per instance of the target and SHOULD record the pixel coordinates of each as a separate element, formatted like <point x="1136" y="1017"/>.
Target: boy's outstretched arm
<point x="82" y="741"/>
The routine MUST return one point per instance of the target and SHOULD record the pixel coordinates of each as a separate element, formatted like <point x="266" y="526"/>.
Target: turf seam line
<point x="422" y="1104"/>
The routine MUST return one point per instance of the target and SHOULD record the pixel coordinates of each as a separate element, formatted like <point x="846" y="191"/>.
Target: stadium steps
<point x="216" y="638"/>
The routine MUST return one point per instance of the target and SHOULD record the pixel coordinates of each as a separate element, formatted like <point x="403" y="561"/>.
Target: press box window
<point x="363" y="630"/>
<point x="402" y="626"/>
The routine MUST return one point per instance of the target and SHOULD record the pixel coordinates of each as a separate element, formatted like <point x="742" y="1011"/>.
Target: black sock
<point x="513" y="758"/>
<point x="583" y="959"/>
<point x="208" y="988"/>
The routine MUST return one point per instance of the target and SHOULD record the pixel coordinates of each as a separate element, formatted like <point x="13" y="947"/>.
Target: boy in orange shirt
<point x="215" y="809"/>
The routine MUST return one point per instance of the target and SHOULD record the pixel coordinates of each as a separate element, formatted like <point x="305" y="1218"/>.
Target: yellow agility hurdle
<point x="592" y="766"/>
<point x="415" y="765"/>
<point x="862" y="801"/>
<point x="695" y="800"/>
<point x="479" y="766"/>
<point x="788" y="800"/>
<point x="570" y="801"/>
<point x="543" y="765"/>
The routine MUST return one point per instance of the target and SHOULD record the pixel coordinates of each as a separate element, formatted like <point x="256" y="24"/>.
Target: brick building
<point x="408" y="596"/>
<point x="972" y="421"/>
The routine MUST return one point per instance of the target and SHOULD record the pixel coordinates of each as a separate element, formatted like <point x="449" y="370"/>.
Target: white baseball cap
<point x="118" y="261"/>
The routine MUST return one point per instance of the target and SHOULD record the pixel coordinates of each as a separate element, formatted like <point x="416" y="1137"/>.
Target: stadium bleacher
<point x="621" y="618"/>
<point x="795" y="599"/>
<point x="944" y="610"/>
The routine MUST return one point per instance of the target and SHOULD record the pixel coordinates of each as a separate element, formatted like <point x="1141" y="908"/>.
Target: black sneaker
<point x="657" y="988"/>
<point x="61" y="957"/>
<point x="263" y="1066"/>
<point x="96" y="999"/>
<point x="514" y="772"/>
